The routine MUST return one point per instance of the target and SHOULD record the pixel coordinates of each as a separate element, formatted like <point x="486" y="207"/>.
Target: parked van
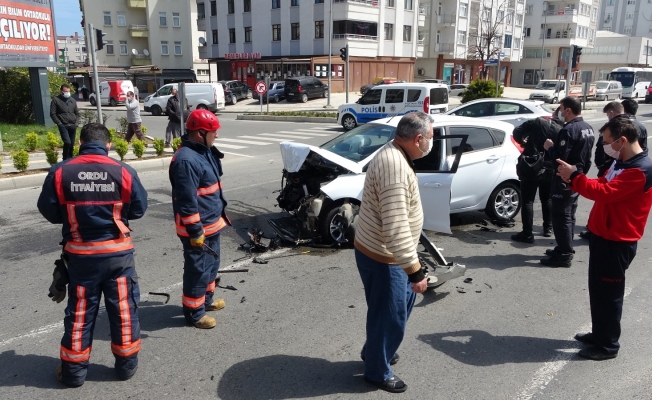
<point x="608" y="90"/>
<point x="549" y="90"/>
<point x="394" y="99"/>
<point x="112" y="93"/>
<point x="208" y="96"/>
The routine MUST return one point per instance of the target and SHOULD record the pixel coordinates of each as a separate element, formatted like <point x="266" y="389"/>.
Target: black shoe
<point x="392" y="385"/>
<point x="556" y="262"/>
<point x="523" y="238"/>
<point x="393" y="361"/>
<point x="596" y="354"/>
<point x="547" y="232"/>
<point x="586" y="338"/>
<point x="553" y="252"/>
<point x="128" y="374"/>
<point x="585" y="235"/>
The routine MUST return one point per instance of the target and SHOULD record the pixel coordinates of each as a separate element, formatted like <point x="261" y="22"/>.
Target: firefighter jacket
<point x="574" y="146"/>
<point x="94" y="197"/>
<point x="197" y="198"/>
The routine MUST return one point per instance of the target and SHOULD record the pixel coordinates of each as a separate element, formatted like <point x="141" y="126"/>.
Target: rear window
<point x="439" y="96"/>
<point x="291" y="83"/>
<point x="499" y="135"/>
<point x="545" y="108"/>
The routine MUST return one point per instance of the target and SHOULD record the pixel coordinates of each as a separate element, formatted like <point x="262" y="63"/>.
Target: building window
<point x="276" y="3"/>
<point x="83" y="49"/>
<point x="508" y="42"/>
<point x="510" y="17"/>
<point x="463" y="10"/>
<point x="164" y="48"/>
<point x="408" y="4"/>
<point x="123" y="47"/>
<point x="500" y="15"/>
<point x="461" y="37"/>
<point x="610" y="2"/>
<point x="76" y="49"/>
<point x="486" y="14"/>
<point x="176" y="20"/>
<point x="407" y="33"/>
<point x="294" y="3"/>
<point x="107" y="17"/>
<point x="529" y="10"/>
<point x="214" y="36"/>
<point x="319" y="29"/>
<point x="536" y="53"/>
<point x="78" y="58"/>
<point x="628" y="29"/>
<point x="201" y="11"/>
<point x="108" y="46"/>
<point x="526" y="32"/>
<point x="276" y="32"/>
<point x="294" y="31"/>
<point x="231" y="6"/>
<point x="163" y="19"/>
<point x="319" y="1"/>
<point x="247" y="5"/>
<point x="519" y="19"/>
<point x="247" y="34"/>
<point x="390" y="3"/>
<point x="177" y="48"/>
<point x="631" y="1"/>
<point x="122" y="20"/>
<point x="389" y="31"/>
<point x="232" y="35"/>
<point x="517" y="43"/>
<point x="629" y="16"/>
<point x="213" y="8"/>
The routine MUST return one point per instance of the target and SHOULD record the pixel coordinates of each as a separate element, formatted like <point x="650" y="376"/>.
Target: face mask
<point x="560" y="116"/>
<point x="608" y="150"/>
<point x="66" y="94"/>
<point x="425" y="153"/>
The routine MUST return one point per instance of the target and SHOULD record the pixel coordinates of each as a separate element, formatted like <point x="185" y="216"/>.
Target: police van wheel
<point x="156" y="111"/>
<point x="348" y="122"/>
<point x="554" y="101"/>
<point x="504" y="202"/>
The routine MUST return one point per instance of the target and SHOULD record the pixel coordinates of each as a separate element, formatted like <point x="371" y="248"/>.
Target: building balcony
<point x="361" y="10"/>
<point x="446" y="48"/>
<point x="140" y="60"/>
<point x="420" y="47"/>
<point x="567" y="16"/>
<point x="137" y="4"/>
<point x="201" y="22"/>
<point x="203" y="52"/>
<point x="446" y="19"/>
<point x="359" y="45"/>
<point x="421" y="20"/>
<point x="350" y="36"/>
<point x="139" y="31"/>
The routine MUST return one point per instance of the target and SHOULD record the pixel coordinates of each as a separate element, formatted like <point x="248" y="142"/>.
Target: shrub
<point x="88" y="116"/>
<point x="112" y="135"/>
<point x="53" y="141"/>
<point x="75" y="151"/>
<point x="143" y="128"/>
<point x="122" y="124"/>
<point x="51" y="155"/>
<point x="159" y="146"/>
<point x="176" y="143"/>
<point x="138" y="147"/>
<point x="121" y="147"/>
<point x="21" y="160"/>
<point x="31" y="141"/>
<point x="481" y="89"/>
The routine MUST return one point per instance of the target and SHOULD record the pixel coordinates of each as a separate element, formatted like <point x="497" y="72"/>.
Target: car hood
<point x="294" y="154"/>
<point x="543" y="91"/>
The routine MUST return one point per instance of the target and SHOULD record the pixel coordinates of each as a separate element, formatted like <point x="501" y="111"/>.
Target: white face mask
<point x="560" y="116"/>
<point x="66" y="94"/>
<point x="425" y="153"/>
<point x="608" y="150"/>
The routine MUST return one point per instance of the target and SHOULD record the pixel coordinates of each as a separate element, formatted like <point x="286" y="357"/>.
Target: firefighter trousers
<point x="199" y="273"/>
<point x="115" y="276"/>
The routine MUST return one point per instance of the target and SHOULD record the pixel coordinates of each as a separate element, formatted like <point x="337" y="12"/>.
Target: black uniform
<point x="602" y="160"/>
<point x="574" y="146"/>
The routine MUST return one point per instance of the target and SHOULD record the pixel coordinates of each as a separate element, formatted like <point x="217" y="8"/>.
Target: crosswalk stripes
<point x="257" y="143"/>
<point x="304" y="133"/>
<point x="283" y="136"/>
<point x="267" y="138"/>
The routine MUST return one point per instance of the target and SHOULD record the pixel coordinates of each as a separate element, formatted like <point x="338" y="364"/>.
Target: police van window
<point x="371" y="97"/>
<point x="432" y="162"/>
<point x="413" y="95"/>
<point x="394" y="95"/>
<point x="439" y="96"/>
<point x="479" y="139"/>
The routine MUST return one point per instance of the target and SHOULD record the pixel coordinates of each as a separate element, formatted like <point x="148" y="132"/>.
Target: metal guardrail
<point x="138" y="27"/>
<point x="446" y="19"/>
<point x="444" y="47"/>
<point x="353" y="36"/>
<point x="560" y="12"/>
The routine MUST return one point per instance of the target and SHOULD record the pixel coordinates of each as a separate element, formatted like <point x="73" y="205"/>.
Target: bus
<point x="634" y="80"/>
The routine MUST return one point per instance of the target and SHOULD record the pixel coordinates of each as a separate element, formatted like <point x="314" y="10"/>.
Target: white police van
<point x="394" y="99"/>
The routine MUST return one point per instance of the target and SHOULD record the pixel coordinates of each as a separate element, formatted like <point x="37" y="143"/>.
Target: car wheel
<point x="93" y="102"/>
<point x="348" y="122"/>
<point x="156" y="111"/>
<point x="553" y="101"/>
<point x="234" y="100"/>
<point x="325" y="93"/>
<point x="112" y="102"/>
<point x="276" y="99"/>
<point x="333" y="227"/>
<point x="201" y="107"/>
<point x="606" y="98"/>
<point x="304" y="98"/>
<point x="249" y="94"/>
<point x="504" y="202"/>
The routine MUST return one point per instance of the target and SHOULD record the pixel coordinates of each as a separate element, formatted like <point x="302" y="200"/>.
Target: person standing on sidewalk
<point x="388" y="230"/>
<point x="133" y="118"/>
<point x="622" y="201"/>
<point x="65" y="114"/>
<point x="173" y="110"/>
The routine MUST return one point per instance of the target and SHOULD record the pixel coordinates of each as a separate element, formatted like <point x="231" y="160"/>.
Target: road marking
<point x="302" y="133"/>
<point x="246" y="142"/>
<point x="314" y="133"/>
<point x="285" y="137"/>
<point x="547" y="372"/>
<point x="228" y="146"/>
<point x="237" y="154"/>
<point x="267" y="138"/>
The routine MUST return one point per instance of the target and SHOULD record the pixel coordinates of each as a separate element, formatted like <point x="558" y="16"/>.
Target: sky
<point x="67" y="17"/>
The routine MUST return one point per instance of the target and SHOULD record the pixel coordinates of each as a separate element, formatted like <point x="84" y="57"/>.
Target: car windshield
<point x="359" y="143"/>
<point x="601" y="85"/>
<point x="626" y="78"/>
<point x="546" y="85"/>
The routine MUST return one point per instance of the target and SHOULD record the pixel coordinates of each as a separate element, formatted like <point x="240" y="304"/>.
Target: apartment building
<point x="627" y="17"/>
<point x="249" y="39"/>
<point x="74" y="49"/>
<point x="613" y="50"/>
<point x="463" y="39"/>
<point x="551" y="27"/>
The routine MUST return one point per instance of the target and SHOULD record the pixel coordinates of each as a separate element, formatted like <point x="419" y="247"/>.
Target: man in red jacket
<point x="623" y="198"/>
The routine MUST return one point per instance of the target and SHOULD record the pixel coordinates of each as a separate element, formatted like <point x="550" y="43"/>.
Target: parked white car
<point x="458" y="89"/>
<point x="549" y="90"/>
<point x="323" y="185"/>
<point x="507" y="110"/>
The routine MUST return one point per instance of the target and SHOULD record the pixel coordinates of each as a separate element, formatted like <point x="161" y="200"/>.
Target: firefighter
<point x="94" y="197"/>
<point x="199" y="213"/>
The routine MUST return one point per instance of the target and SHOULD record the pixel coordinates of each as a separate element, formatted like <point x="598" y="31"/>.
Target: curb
<point x="286" y="119"/>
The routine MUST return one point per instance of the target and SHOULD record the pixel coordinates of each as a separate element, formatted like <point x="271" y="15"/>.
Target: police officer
<point x="199" y="213"/>
<point x="94" y="197"/>
<point x="574" y="146"/>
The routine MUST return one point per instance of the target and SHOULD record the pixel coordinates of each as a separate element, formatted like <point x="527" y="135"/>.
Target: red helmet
<point x="202" y="120"/>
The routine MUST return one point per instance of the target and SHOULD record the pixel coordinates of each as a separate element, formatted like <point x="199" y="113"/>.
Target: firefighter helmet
<point x="202" y="120"/>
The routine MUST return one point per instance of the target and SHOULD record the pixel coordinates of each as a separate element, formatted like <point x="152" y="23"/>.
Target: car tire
<point x="504" y="202"/>
<point x="93" y="102"/>
<point x="112" y="102"/>
<point x="201" y="107"/>
<point x="606" y="98"/>
<point x="156" y="111"/>
<point x="554" y="100"/>
<point x="332" y="227"/>
<point x="304" y="98"/>
<point x="325" y="94"/>
<point x="234" y="100"/>
<point x="349" y="122"/>
<point x="249" y="94"/>
<point x="276" y="99"/>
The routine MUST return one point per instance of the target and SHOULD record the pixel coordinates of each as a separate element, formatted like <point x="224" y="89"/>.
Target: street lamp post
<point x="543" y="42"/>
<point x="330" y="50"/>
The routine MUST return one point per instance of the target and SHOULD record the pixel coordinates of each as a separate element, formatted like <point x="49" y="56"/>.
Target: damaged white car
<point x="472" y="166"/>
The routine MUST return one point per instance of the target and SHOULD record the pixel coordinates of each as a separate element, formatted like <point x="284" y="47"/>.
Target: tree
<point x="486" y="29"/>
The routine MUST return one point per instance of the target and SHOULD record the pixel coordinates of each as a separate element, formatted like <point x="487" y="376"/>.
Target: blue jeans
<point x="390" y="300"/>
<point x="199" y="273"/>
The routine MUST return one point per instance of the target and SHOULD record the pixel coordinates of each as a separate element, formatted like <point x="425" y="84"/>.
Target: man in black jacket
<point x="573" y="146"/>
<point x="64" y="113"/>
<point x="173" y="110"/>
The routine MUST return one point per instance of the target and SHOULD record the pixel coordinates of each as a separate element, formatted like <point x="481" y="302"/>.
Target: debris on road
<point x="167" y="296"/>
<point x="460" y="290"/>
<point x="488" y="285"/>
<point x="242" y="300"/>
<point x="468" y="280"/>
<point x="234" y="270"/>
<point x="550" y="314"/>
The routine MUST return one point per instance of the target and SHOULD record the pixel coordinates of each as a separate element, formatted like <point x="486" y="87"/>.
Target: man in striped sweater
<point x="386" y="239"/>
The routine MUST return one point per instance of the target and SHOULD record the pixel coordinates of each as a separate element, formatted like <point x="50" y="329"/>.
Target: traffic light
<point x="577" y="52"/>
<point x="99" y="39"/>
<point x="343" y="54"/>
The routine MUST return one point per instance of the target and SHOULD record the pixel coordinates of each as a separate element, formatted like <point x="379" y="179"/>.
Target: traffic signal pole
<point x="569" y="68"/>
<point x="347" y="73"/>
<point x="96" y="80"/>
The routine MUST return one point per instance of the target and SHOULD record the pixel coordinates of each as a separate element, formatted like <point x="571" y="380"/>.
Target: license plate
<point x="435" y="111"/>
<point x="290" y="94"/>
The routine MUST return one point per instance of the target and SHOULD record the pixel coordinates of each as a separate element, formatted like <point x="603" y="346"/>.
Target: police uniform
<point x="94" y="197"/>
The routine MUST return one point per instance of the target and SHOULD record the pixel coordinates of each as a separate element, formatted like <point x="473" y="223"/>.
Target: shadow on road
<point x="291" y="377"/>
<point x="479" y="348"/>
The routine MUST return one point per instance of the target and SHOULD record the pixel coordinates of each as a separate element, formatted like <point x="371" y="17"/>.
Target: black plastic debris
<point x="258" y="260"/>
<point x="352" y="306"/>
<point x="259" y="242"/>
<point x="243" y="299"/>
<point x="460" y="290"/>
<point x="488" y="285"/>
<point x="468" y="280"/>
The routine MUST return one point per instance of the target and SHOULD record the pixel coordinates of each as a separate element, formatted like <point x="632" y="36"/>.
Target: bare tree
<point x="487" y="18"/>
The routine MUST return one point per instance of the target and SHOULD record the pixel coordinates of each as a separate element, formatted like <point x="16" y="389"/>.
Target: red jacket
<point x="623" y="198"/>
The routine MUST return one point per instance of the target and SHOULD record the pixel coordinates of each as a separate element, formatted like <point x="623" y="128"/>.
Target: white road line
<point x="246" y="142"/>
<point x="313" y="133"/>
<point x="236" y="154"/>
<point x="43" y="330"/>
<point x="284" y="136"/>
<point x="267" y="138"/>
<point x="302" y="133"/>
<point x="219" y="144"/>
<point x="547" y="372"/>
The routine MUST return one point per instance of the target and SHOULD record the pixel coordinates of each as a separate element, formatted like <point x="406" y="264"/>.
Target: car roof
<point x="444" y="119"/>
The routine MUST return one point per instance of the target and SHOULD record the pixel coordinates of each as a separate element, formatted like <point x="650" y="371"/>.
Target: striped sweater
<point x="391" y="218"/>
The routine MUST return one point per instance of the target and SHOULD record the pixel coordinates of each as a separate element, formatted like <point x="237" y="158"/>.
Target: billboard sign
<point x="27" y="37"/>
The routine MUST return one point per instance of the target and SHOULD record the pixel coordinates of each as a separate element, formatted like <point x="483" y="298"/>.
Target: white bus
<point x="635" y="80"/>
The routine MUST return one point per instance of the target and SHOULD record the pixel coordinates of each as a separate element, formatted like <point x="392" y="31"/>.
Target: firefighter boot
<point x="58" y="372"/>
<point x="217" y="305"/>
<point x="205" y="322"/>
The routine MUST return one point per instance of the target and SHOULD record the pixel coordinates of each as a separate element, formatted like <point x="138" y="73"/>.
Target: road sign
<point x="502" y="54"/>
<point x="493" y="61"/>
<point x="261" y="87"/>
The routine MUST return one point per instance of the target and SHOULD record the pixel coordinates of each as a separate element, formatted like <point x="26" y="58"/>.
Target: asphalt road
<point x="295" y="326"/>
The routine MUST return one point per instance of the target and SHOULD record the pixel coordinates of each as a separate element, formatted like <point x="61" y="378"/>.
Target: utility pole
<point x="347" y="73"/>
<point x="647" y="52"/>
<point x="543" y="42"/>
<point x="569" y="68"/>
<point x="498" y="75"/>
<point x="330" y="50"/>
<point x="96" y="80"/>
